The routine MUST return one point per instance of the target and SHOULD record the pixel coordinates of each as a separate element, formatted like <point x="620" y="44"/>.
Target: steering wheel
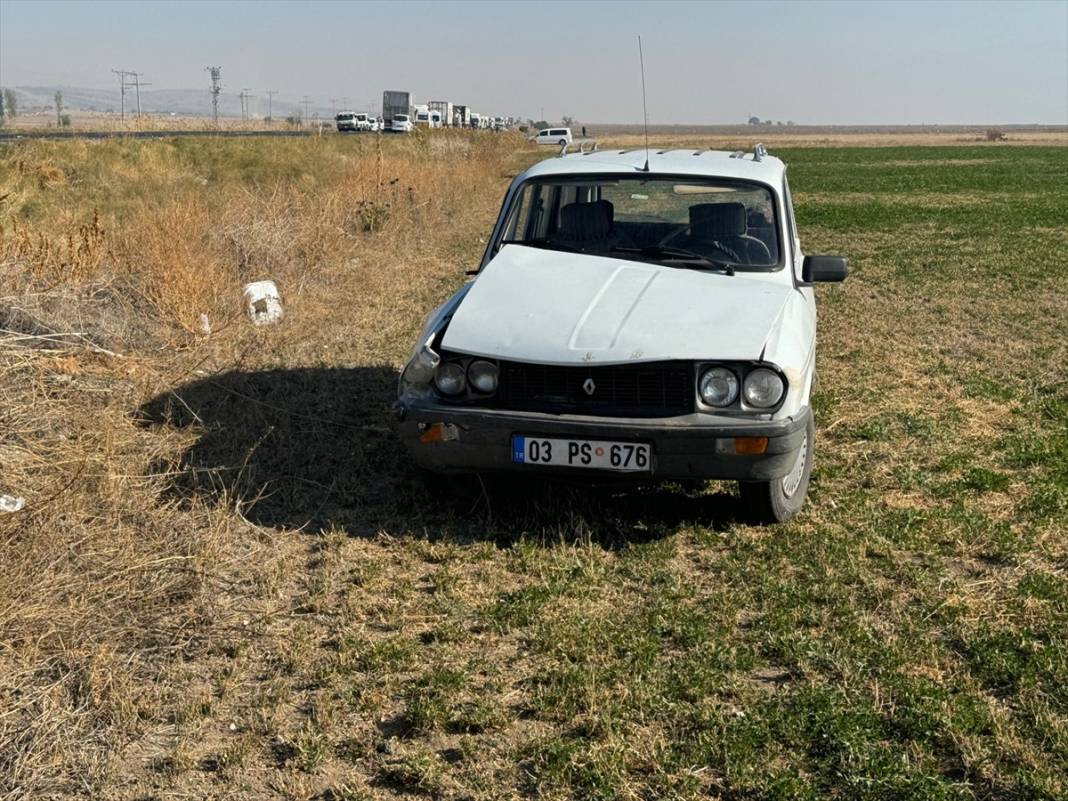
<point x="729" y="252"/>
<point x="762" y="248"/>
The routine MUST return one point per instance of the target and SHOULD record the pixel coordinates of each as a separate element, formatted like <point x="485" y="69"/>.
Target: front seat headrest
<point x="584" y="222"/>
<point x="714" y="220"/>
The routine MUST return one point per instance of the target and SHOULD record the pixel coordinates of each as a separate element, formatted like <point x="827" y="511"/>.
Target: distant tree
<point x="64" y="121"/>
<point x="790" y="122"/>
<point x="11" y="102"/>
<point x="1" y="110"/>
<point x="295" y="119"/>
<point x="541" y="124"/>
<point x="568" y="121"/>
<point x="754" y="120"/>
<point x="778" y="122"/>
<point x="59" y="107"/>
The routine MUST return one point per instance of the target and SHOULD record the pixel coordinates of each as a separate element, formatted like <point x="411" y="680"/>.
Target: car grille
<point x="658" y="389"/>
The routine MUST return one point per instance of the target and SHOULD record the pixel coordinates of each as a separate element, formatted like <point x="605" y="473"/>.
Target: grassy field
<point x="228" y="583"/>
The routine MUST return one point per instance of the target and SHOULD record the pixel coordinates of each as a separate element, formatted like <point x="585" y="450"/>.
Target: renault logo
<point x="589" y="387"/>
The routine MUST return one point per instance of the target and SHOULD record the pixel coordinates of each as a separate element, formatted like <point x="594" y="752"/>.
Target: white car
<point x="636" y="315"/>
<point x="553" y="136"/>
<point x="401" y="123"/>
<point x="353" y="121"/>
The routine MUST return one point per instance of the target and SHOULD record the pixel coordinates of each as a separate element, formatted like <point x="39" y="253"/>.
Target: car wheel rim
<point x="792" y="480"/>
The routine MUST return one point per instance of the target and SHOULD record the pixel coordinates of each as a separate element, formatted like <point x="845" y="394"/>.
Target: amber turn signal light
<point x="433" y="433"/>
<point x="750" y="445"/>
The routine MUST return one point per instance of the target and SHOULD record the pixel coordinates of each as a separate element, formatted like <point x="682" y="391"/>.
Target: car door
<point x="806" y="319"/>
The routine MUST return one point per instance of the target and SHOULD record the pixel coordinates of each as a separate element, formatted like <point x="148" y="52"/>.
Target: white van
<point x="553" y="136"/>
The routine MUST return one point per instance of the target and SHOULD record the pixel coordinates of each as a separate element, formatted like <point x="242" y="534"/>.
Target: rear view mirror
<point x="824" y="268"/>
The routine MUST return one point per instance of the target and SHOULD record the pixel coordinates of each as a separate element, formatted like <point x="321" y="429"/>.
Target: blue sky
<point x="706" y="62"/>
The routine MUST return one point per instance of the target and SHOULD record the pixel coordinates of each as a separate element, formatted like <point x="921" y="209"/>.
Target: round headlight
<point x="483" y="376"/>
<point x="763" y="388"/>
<point x="718" y="386"/>
<point x="449" y="378"/>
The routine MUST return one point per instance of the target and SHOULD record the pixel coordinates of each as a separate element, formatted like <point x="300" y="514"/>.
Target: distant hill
<point x="184" y="102"/>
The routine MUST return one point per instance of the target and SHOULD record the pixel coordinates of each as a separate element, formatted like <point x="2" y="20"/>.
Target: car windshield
<point x="660" y="219"/>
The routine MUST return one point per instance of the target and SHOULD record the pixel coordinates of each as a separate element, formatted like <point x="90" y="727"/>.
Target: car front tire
<point x="779" y="500"/>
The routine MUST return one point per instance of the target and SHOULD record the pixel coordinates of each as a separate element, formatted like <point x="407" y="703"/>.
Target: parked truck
<point x="396" y="104"/>
<point x="445" y="111"/>
<point x="429" y="118"/>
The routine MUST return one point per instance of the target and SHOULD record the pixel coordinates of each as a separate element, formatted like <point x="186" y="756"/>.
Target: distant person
<point x="583" y="131"/>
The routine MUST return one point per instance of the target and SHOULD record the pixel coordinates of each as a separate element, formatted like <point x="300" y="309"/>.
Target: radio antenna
<point x="645" y="111"/>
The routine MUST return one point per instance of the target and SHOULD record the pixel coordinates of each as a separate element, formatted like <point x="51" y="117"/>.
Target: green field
<point x="240" y="588"/>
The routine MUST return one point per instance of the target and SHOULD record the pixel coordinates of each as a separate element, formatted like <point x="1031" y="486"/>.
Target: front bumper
<point x="685" y="447"/>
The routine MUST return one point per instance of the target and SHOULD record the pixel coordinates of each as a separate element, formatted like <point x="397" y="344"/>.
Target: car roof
<point x="708" y="163"/>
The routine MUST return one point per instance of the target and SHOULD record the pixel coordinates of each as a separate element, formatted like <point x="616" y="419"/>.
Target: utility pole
<point x="245" y="107"/>
<point x="122" y="93"/>
<point x="333" y="106"/>
<point x="216" y="88"/>
<point x="270" y="94"/>
<point x="137" y="88"/>
<point x="305" y="100"/>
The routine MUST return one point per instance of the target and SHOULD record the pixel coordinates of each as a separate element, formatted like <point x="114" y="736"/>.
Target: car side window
<point x="528" y="219"/>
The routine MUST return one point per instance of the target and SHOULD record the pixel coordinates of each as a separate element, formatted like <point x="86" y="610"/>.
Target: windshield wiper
<point x="687" y="258"/>
<point x="544" y="244"/>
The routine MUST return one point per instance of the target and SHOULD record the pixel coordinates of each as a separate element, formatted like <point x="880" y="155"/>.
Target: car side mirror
<point x="823" y="269"/>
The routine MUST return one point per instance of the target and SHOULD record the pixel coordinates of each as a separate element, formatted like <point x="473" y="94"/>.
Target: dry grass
<point x="109" y="585"/>
<point x="227" y="582"/>
<point x="104" y="121"/>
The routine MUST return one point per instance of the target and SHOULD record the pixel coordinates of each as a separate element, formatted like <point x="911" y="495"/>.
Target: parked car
<point x="346" y="121"/>
<point x="553" y="136"/>
<point x="401" y="123"/>
<point x="638" y="316"/>
<point x="353" y="121"/>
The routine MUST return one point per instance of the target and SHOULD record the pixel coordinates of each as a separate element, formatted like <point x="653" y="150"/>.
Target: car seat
<point x="725" y="224"/>
<point x="586" y="226"/>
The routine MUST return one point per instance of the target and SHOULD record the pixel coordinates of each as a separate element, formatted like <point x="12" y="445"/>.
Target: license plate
<point x="626" y="457"/>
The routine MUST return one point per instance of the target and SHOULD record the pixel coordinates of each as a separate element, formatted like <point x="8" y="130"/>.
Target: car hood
<point x="550" y="307"/>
